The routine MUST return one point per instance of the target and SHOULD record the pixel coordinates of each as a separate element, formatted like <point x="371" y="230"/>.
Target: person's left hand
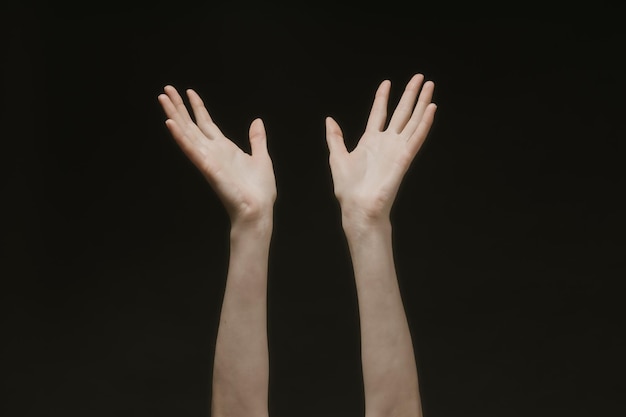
<point x="244" y="182"/>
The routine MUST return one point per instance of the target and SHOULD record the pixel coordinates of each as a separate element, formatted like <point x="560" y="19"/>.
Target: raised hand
<point x="366" y="180"/>
<point x="244" y="182"/>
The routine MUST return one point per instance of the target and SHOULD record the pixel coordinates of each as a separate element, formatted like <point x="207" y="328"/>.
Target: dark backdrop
<point x="508" y="227"/>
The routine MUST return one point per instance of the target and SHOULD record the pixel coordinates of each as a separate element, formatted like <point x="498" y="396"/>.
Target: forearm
<point x="389" y="368"/>
<point x="241" y="363"/>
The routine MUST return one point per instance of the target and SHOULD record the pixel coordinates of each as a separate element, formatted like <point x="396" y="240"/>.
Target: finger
<point x="378" y="114"/>
<point x="203" y="119"/>
<point x="406" y="106"/>
<point x="424" y="100"/>
<point x="194" y="150"/>
<point x="178" y="103"/>
<point x="258" y="138"/>
<point x="170" y="109"/>
<point x="173" y="112"/>
<point x="417" y="138"/>
<point x="334" y="138"/>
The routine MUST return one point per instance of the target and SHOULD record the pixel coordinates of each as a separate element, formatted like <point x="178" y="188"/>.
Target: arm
<point x="366" y="181"/>
<point x="241" y="365"/>
<point x="246" y="185"/>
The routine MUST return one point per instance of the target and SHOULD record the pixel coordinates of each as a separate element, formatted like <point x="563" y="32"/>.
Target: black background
<point x="508" y="227"/>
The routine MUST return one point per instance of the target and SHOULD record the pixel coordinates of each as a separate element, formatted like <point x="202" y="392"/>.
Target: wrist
<point x="259" y="227"/>
<point x="356" y="225"/>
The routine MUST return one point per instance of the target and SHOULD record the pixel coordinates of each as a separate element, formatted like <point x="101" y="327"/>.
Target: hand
<point x="367" y="179"/>
<point x="245" y="183"/>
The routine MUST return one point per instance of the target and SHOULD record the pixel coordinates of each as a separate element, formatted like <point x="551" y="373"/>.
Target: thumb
<point x="258" y="138"/>
<point x="334" y="137"/>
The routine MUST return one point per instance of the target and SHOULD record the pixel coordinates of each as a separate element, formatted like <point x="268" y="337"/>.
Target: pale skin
<point x="366" y="181"/>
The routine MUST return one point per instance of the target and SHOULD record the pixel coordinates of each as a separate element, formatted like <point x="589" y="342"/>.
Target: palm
<point x="244" y="182"/>
<point x="370" y="169"/>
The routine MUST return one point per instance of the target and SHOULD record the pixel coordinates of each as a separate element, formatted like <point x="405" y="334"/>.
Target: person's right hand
<point x="366" y="180"/>
<point x="244" y="182"/>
